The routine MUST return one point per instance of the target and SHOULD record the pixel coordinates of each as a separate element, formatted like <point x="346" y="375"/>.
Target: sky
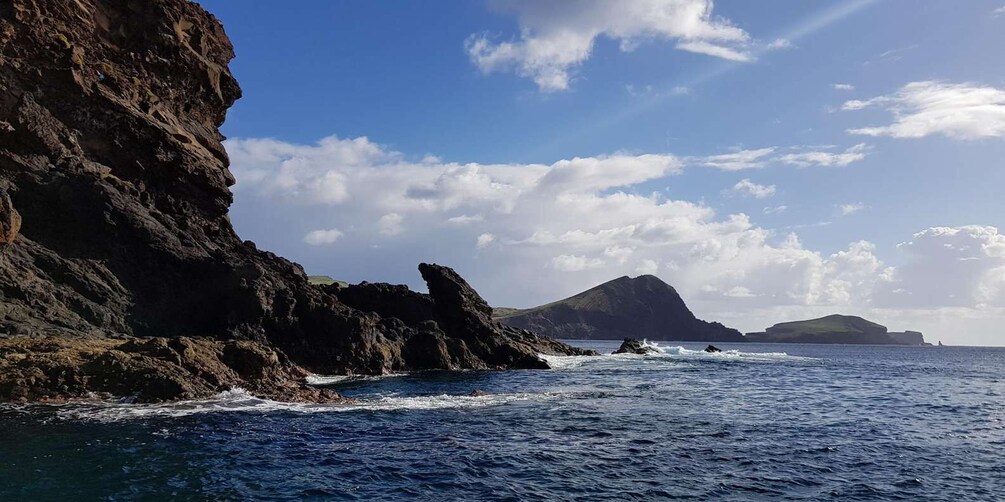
<point x="772" y="160"/>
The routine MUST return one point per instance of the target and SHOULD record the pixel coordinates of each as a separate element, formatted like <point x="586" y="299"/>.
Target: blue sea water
<point x="771" y="421"/>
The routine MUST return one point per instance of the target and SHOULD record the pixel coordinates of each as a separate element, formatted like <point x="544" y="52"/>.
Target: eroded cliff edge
<point x="114" y="191"/>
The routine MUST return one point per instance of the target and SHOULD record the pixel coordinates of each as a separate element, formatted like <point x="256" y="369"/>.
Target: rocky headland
<point x="120" y="273"/>
<point x="836" y="328"/>
<point x="640" y="307"/>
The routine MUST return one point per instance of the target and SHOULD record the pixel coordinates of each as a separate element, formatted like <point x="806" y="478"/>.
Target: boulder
<point x="633" y="346"/>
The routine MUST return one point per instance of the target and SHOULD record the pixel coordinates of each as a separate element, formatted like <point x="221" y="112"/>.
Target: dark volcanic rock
<point x="112" y="165"/>
<point x="633" y="346"/>
<point x="449" y="328"/>
<point x="712" y="349"/>
<point x="623" y="308"/>
<point x="146" y="369"/>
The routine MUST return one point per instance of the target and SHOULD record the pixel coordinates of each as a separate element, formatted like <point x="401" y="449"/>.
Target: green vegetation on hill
<point x="324" y="280"/>
<point x="835" y="329"/>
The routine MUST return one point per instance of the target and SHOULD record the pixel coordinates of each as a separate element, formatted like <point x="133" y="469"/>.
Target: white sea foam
<point x="239" y="400"/>
<point x="671" y="353"/>
<point x="334" y="379"/>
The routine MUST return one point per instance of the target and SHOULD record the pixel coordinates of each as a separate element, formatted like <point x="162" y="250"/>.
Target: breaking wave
<point x="669" y="353"/>
<point x="239" y="400"/>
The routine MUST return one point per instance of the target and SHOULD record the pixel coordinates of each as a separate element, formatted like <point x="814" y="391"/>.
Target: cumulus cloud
<point x="852" y="208"/>
<point x="919" y="109"/>
<point x="950" y="267"/>
<point x="556" y="37"/>
<point x="575" y="263"/>
<point x="843" y="87"/>
<point x="390" y="224"/>
<point x="322" y="237"/>
<point x="747" y="187"/>
<point x="823" y="158"/>
<point x="484" y="241"/>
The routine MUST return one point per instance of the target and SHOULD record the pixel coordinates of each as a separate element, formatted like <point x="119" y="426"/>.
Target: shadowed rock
<point x="111" y="154"/>
<point x="633" y="346"/>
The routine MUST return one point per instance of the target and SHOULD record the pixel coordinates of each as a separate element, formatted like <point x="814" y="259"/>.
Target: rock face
<point x="114" y="190"/>
<point x="633" y="346"/>
<point x="836" y="329"/>
<point x="623" y="308"/>
<point x="451" y="327"/>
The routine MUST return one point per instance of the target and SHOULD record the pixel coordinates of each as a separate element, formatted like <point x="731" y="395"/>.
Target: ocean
<point x="759" y="421"/>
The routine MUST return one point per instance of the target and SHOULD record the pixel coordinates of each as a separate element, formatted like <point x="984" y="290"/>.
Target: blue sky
<point x="864" y="137"/>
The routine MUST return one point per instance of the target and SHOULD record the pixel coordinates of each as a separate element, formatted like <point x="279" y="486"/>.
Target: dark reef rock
<point x="712" y="349"/>
<point x="836" y="328"/>
<point x="623" y="308"/>
<point x="146" y="369"/>
<point x="111" y="164"/>
<point x="633" y="346"/>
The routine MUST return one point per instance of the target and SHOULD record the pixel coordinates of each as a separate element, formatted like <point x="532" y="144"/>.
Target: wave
<point x="675" y="353"/>
<point x="239" y="400"/>
<point x="336" y="379"/>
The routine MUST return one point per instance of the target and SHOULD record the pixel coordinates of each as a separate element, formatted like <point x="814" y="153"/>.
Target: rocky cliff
<point x="114" y="191"/>
<point x="643" y="307"/>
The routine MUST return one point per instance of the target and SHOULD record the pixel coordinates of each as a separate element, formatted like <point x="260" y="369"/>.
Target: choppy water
<point x="772" y="421"/>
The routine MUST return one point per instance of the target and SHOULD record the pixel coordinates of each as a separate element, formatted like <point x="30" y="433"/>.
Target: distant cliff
<point x="836" y="329"/>
<point x="643" y="307"/>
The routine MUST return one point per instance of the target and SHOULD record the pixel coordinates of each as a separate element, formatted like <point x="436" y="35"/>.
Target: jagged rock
<point x="111" y="153"/>
<point x="146" y="369"/>
<point x="633" y="346"/>
<point x="10" y="220"/>
<point x="712" y="349"/>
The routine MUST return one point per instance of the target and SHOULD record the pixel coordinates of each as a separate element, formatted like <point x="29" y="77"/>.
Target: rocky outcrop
<point x="115" y="191"/>
<point x="633" y="346"/>
<point x="712" y="349"/>
<point x="146" y="370"/>
<point x="451" y="327"/>
<point x="644" y="306"/>
<point x="835" y="329"/>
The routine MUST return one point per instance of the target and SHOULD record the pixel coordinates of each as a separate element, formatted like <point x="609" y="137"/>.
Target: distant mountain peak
<point x="625" y="307"/>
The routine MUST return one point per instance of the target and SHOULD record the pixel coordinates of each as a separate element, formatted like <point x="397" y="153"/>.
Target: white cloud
<point x="1000" y="11"/>
<point x="747" y="187"/>
<point x="744" y="159"/>
<point x="843" y="87"/>
<point x="958" y="111"/>
<point x="575" y="263"/>
<point x="322" y="237"/>
<point x="763" y="157"/>
<point x="390" y="224"/>
<point x="780" y="43"/>
<point x="826" y="159"/>
<point x="775" y="209"/>
<point x="465" y="219"/>
<point x="557" y="37"/>
<point x="485" y="240"/>
<point x="852" y="208"/>
<point x="647" y="267"/>
<point x="950" y="267"/>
